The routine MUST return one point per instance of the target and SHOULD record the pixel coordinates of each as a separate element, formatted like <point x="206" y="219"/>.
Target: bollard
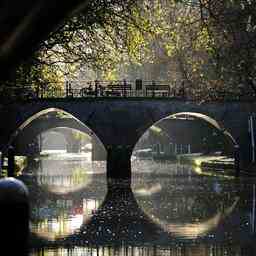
<point x="14" y="217"/>
<point x="237" y="160"/>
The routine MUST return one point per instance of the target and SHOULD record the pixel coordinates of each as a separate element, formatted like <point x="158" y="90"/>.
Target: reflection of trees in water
<point x="179" y="194"/>
<point x="64" y="175"/>
<point x="61" y="217"/>
<point x="59" y="189"/>
<point x="39" y="195"/>
<point x="56" y="215"/>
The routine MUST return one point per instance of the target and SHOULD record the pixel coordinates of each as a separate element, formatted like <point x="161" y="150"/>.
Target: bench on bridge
<point x="118" y="90"/>
<point x="157" y="90"/>
<point x="86" y="92"/>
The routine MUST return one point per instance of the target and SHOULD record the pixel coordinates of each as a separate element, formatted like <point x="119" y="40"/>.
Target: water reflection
<point x="184" y="250"/>
<point x="62" y="194"/>
<point x="170" y="210"/>
<point x="63" y="218"/>
<point x="62" y="180"/>
<point x="190" y="206"/>
<point x="198" y="229"/>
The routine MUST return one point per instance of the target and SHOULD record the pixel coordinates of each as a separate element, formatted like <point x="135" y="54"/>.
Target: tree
<point x="204" y="45"/>
<point x="232" y="27"/>
<point x="92" y="37"/>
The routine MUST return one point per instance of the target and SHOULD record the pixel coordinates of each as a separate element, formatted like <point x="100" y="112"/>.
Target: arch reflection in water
<point x="65" y="190"/>
<point x="120" y="227"/>
<point x="184" y="203"/>
<point x="189" y="215"/>
<point x="61" y="176"/>
<point x="119" y="220"/>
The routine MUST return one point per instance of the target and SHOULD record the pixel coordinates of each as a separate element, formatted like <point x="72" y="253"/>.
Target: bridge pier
<point x="119" y="163"/>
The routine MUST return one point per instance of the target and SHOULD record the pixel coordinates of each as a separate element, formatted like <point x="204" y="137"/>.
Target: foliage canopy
<point x="204" y="44"/>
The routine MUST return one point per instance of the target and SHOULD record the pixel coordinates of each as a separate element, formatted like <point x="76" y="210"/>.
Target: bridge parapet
<point x="124" y="89"/>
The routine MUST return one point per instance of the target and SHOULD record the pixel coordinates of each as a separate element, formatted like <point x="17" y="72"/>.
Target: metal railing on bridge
<point x="123" y="89"/>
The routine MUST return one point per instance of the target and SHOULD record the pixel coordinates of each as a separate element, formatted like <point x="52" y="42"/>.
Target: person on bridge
<point x="101" y="90"/>
<point x="182" y="90"/>
<point x="96" y="88"/>
<point x="89" y="89"/>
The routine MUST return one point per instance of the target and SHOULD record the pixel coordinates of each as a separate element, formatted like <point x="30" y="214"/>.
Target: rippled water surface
<point x="170" y="209"/>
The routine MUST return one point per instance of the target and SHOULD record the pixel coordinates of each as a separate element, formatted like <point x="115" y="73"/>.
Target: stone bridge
<point x="119" y="123"/>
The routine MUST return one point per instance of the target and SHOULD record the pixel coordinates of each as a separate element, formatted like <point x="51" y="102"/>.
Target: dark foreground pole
<point x="14" y="217"/>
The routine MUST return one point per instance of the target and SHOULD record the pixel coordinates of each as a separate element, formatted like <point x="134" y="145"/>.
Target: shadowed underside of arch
<point x="29" y="121"/>
<point x="207" y="119"/>
<point x="210" y="121"/>
<point x="43" y="112"/>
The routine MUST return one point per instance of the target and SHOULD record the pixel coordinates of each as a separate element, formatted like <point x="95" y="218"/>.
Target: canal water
<point x="170" y="209"/>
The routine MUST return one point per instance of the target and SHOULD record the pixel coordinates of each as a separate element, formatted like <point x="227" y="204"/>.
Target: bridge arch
<point x="80" y="126"/>
<point x="207" y="119"/>
<point x="213" y="122"/>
